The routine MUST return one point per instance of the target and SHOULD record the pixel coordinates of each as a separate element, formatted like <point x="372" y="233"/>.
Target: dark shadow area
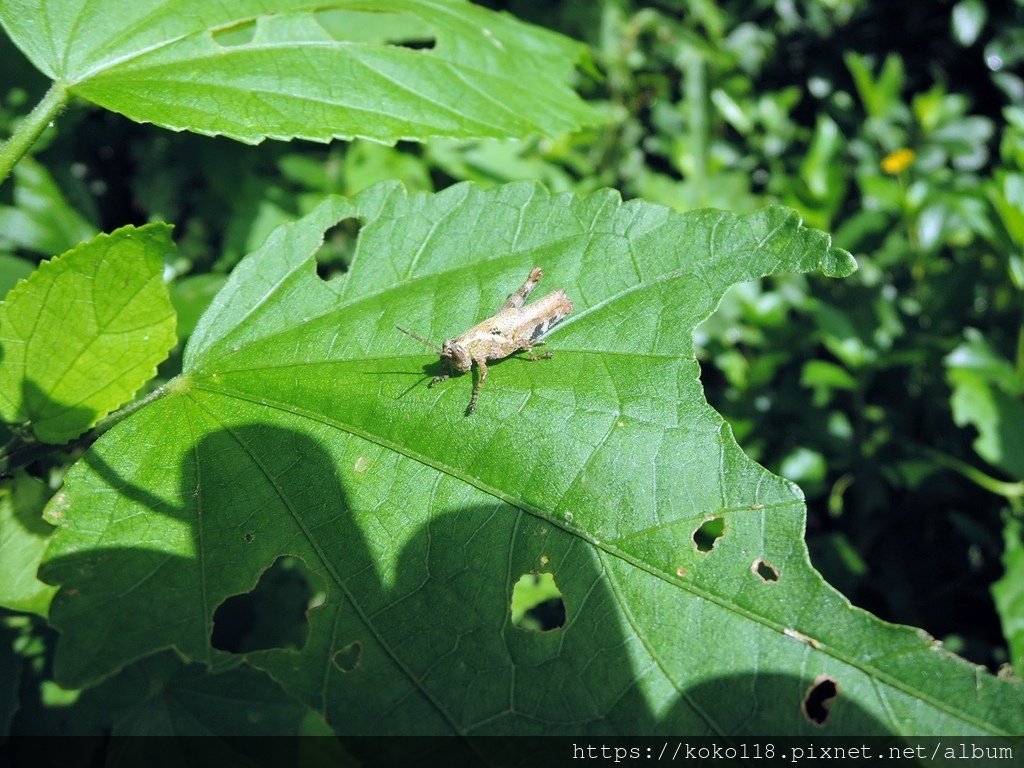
<point x="21" y="445"/>
<point x="427" y="649"/>
<point x="572" y="680"/>
<point x="259" y="600"/>
<point x="40" y="408"/>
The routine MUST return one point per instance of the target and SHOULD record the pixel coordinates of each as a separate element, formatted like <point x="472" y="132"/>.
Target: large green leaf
<point x="251" y="70"/>
<point x="303" y="426"/>
<point x="85" y="331"/>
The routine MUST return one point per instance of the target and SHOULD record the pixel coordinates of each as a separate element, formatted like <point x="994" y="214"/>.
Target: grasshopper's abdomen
<point x="536" y="319"/>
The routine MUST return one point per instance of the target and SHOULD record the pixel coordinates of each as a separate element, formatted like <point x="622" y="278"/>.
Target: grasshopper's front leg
<point x="446" y="373"/>
<point x="482" y="365"/>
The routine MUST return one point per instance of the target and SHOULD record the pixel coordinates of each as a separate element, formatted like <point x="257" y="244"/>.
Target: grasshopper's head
<point x="456" y="355"/>
<point x="453" y="354"/>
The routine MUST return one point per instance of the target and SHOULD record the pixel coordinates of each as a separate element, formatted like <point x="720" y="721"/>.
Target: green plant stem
<point x="111" y="419"/>
<point x="28" y="130"/>
<point x="1013" y="492"/>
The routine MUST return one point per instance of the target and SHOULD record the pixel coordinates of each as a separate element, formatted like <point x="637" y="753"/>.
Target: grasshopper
<point x="512" y="328"/>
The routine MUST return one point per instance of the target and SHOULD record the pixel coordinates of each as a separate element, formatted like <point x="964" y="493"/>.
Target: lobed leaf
<point x="303" y="426"/>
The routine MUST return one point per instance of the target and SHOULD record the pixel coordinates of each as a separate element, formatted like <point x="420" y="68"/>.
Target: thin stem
<point x="28" y="130"/>
<point x="1012" y="491"/>
<point x="125" y="411"/>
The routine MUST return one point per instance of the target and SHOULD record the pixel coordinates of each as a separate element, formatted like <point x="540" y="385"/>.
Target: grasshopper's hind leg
<point x="518" y="299"/>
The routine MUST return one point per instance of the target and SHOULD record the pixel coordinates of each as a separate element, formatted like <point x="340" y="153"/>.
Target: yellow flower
<point x="897" y="161"/>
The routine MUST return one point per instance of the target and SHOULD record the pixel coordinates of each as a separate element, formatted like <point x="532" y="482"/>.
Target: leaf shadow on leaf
<point x="589" y="677"/>
<point x="40" y="409"/>
<point x="427" y="650"/>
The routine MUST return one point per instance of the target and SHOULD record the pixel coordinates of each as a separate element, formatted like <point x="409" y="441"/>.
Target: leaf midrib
<point x="221" y="348"/>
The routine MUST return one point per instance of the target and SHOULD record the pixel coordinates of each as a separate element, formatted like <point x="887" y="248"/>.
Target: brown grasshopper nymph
<point x="513" y="327"/>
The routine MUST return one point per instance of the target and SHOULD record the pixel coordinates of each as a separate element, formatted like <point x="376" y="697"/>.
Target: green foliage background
<point x="893" y="398"/>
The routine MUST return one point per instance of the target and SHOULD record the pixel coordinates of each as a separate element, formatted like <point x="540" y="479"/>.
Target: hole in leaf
<point x="765" y="570"/>
<point x="236" y="34"/>
<point x="709" y="532"/>
<point x="249" y="537"/>
<point x="349" y="657"/>
<point x="376" y="27"/>
<point x="338" y="249"/>
<point x="537" y="603"/>
<point x="425" y="43"/>
<point x="272" y="615"/>
<point x="818" y="698"/>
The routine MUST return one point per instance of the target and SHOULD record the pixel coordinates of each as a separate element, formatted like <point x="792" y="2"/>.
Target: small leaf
<point x="24" y="536"/>
<point x="303" y="426"/>
<point x="85" y="331"/>
<point x="252" y="70"/>
<point x="881" y="94"/>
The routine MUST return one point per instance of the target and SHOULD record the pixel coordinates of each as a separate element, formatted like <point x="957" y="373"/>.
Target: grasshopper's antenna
<point x="421" y="340"/>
